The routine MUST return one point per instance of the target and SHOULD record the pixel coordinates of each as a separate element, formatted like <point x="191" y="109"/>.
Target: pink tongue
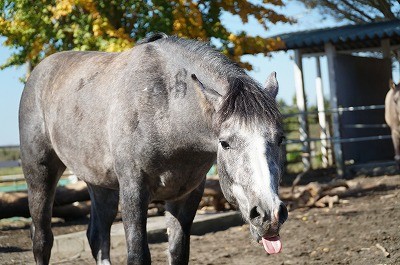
<point x="272" y="245"/>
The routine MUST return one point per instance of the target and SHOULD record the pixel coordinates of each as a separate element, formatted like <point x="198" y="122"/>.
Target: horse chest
<point x="174" y="185"/>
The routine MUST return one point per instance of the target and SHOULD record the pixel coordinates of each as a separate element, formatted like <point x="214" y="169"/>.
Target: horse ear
<point x="392" y="85"/>
<point x="210" y="98"/>
<point x="271" y="85"/>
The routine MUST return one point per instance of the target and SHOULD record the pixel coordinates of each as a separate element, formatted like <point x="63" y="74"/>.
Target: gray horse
<point x="146" y="124"/>
<point x="392" y="117"/>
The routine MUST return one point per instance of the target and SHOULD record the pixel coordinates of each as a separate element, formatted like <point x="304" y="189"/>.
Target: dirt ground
<point x="364" y="229"/>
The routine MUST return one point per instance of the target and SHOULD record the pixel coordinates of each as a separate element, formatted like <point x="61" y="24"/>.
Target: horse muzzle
<point x="265" y="227"/>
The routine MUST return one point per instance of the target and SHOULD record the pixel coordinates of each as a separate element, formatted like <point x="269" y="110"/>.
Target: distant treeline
<point x="9" y="153"/>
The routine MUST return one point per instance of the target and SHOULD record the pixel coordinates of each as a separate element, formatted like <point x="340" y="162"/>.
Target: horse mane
<point x="152" y="37"/>
<point x="203" y="54"/>
<point x="244" y="99"/>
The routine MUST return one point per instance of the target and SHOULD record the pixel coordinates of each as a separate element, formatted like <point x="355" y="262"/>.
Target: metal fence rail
<point x="336" y="140"/>
<point x="355" y="126"/>
<point x="328" y="142"/>
<point x="337" y="110"/>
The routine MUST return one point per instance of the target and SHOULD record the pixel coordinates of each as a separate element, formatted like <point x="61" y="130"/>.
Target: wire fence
<point x="356" y="126"/>
<point x="339" y="140"/>
<point x="337" y="110"/>
<point x="328" y="142"/>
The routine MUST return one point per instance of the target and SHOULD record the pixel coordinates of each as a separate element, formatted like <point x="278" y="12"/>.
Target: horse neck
<point x="187" y="113"/>
<point x="190" y="124"/>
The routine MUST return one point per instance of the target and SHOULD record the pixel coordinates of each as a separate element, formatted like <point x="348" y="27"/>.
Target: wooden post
<point x="301" y="101"/>
<point x="324" y="131"/>
<point x="386" y="52"/>
<point x="337" y="146"/>
<point x="386" y="48"/>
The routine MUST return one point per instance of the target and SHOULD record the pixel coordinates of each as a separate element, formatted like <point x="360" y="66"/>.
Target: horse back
<point x="65" y="103"/>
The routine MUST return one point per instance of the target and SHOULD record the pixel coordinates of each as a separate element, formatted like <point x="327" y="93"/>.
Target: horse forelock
<point x="246" y="102"/>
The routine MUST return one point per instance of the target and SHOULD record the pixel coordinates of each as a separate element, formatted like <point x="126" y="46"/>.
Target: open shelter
<point x="357" y="82"/>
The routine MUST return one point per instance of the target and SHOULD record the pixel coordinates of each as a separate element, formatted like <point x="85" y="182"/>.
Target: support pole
<point x="386" y="48"/>
<point x="302" y="106"/>
<point x="324" y="129"/>
<point x="337" y="147"/>
<point x="386" y="52"/>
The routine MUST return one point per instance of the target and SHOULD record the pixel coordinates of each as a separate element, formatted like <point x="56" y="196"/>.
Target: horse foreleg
<point x="104" y="208"/>
<point x="135" y="198"/>
<point x="180" y="215"/>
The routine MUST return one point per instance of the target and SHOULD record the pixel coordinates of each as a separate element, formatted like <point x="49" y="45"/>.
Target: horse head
<point x="249" y="128"/>
<point x="395" y="89"/>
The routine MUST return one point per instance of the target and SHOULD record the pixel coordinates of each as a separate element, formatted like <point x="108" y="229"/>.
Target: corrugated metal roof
<point x="350" y="37"/>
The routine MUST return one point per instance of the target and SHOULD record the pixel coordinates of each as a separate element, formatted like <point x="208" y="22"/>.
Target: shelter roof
<point x="350" y="37"/>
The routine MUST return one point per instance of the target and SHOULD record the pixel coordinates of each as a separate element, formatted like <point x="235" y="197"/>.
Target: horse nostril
<point x="283" y="213"/>
<point x="254" y="213"/>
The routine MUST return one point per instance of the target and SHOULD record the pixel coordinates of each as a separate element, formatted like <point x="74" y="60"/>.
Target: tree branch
<point x="334" y="7"/>
<point x="357" y="10"/>
<point x="385" y="9"/>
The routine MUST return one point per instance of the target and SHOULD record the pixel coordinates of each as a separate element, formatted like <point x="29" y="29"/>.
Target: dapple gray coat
<point x="147" y="124"/>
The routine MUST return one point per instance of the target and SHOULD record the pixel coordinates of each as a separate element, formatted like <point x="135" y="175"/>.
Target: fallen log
<point x="213" y="196"/>
<point x="316" y="194"/>
<point x="72" y="211"/>
<point x="77" y="192"/>
<point x="327" y="200"/>
<point x="16" y="203"/>
<point x="71" y="201"/>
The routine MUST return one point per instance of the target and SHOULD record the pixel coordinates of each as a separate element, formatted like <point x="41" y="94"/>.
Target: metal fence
<point x="330" y="141"/>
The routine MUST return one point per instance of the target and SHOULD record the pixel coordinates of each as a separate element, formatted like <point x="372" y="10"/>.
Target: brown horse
<point x="392" y="110"/>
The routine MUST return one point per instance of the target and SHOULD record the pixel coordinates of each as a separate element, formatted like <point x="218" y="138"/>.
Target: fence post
<point x="337" y="147"/>
<point x="324" y="130"/>
<point x="301" y="101"/>
<point x="386" y="49"/>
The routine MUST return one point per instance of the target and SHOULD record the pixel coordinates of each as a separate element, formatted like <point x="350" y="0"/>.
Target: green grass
<point x="10" y="171"/>
<point x="7" y="154"/>
<point x="293" y="151"/>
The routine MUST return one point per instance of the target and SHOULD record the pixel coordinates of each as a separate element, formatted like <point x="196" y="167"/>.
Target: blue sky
<point x="11" y="88"/>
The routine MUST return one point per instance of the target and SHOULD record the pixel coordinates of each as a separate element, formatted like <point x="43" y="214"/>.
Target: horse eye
<point x="224" y="145"/>
<point x="281" y="139"/>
